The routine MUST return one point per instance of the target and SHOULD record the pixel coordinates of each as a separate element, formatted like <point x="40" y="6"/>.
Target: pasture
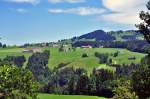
<point x="75" y="59"/>
<point x="47" y="96"/>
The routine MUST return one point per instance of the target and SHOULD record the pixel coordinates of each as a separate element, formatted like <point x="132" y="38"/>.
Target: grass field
<point x="47" y="96"/>
<point x="74" y="58"/>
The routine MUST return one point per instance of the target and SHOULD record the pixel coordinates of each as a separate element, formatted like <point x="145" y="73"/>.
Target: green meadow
<point x="75" y="59"/>
<point x="47" y="96"/>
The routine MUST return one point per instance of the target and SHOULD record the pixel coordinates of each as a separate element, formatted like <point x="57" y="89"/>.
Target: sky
<point x="33" y="21"/>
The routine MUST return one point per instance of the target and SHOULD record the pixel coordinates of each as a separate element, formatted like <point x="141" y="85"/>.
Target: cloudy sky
<point x="27" y="21"/>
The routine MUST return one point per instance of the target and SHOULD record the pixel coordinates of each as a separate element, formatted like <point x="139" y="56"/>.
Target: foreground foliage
<point x="124" y="90"/>
<point x="17" y="83"/>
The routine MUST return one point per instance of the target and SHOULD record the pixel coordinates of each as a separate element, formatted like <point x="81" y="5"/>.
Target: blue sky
<point x="31" y="21"/>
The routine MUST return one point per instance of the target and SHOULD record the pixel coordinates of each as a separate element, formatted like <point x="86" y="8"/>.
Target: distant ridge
<point x="98" y="35"/>
<point x="101" y="35"/>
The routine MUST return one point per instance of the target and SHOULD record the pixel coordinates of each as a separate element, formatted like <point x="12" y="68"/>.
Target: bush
<point x="84" y="55"/>
<point x="123" y="90"/>
<point x="141" y="82"/>
<point x="16" y="83"/>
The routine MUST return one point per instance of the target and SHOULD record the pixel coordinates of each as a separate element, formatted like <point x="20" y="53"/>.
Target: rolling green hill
<point x="99" y="35"/>
<point x="75" y="59"/>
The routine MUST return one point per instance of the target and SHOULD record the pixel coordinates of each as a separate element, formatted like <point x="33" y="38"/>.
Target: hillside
<point x="100" y="35"/>
<point x="127" y="35"/>
<point x="75" y="59"/>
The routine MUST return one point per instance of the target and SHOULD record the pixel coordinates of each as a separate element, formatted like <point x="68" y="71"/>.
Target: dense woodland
<point x="136" y="46"/>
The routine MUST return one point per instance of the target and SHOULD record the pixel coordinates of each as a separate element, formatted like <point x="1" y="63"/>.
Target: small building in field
<point x="27" y="51"/>
<point x="55" y="45"/>
<point x="43" y="45"/>
<point x="88" y="46"/>
<point x="132" y="58"/>
<point x="101" y="46"/>
<point x="33" y="50"/>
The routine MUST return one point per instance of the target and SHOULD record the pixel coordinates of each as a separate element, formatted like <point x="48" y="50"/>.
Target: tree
<point x="14" y="60"/>
<point x="71" y="86"/>
<point x="38" y="65"/>
<point x="123" y="90"/>
<point x="19" y="61"/>
<point x="61" y="49"/>
<point x="103" y="79"/>
<point x="82" y="85"/>
<point x="84" y="55"/>
<point x="1" y="45"/>
<point x="116" y="54"/>
<point x="103" y="57"/>
<point x="16" y="83"/>
<point x="144" y="27"/>
<point x="4" y="46"/>
<point x="141" y="82"/>
<point x="141" y="77"/>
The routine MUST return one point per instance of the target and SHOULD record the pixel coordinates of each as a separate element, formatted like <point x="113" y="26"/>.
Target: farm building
<point x="132" y="58"/>
<point x="101" y="46"/>
<point x="43" y="45"/>
<point x="88" y="46"/>
<point x="27" y="51"/>
<point x="55" y="45"/>
<point x="34" y="50"/>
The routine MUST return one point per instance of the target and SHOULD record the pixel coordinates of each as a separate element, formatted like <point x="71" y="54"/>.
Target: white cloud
<point x="125" y="18"/>
<point x="126" y="11"/>
<point x="83" y="11"/>
<point x="21" y="10"/>
<point x="68" y="1"/>
<point x="34" y="2"/>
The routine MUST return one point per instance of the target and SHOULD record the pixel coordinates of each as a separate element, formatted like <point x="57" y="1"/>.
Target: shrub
<point x="84" y="55"/>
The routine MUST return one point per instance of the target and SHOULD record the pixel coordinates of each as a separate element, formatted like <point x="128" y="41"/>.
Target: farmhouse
<point x="55" y="45"/>
<point x="43" y="45"/>
<point x="101" y="46"/>
<point x="27" y="51"/>
<point x="132" y="58"/>
<point x="88" y="46"/>
<point x="34" y="50"/>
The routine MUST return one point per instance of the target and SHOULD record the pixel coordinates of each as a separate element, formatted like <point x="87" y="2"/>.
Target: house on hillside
<point x="55" y="45"/>
<point x="33" y="50"/>
<point x="132" y="58"/>
<point x="88" y="46"/>
<point x="27" y="51"/>
<point x="43" y="45"/>
<point x="101" y="46"/>
<point x="66" y="48"/>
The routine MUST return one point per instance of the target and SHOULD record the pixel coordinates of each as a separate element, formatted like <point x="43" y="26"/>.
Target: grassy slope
<point x="13" y="52"/>
<point x="74" y="57"/>
<point x="46" y="96"/>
